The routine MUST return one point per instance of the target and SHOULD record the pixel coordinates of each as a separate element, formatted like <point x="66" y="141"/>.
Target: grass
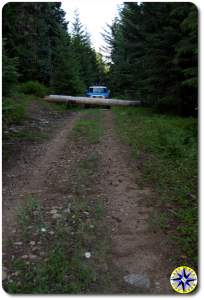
<point x="14" y="108"/>
<point x="165" y="149"/>
<point x="15" y="113"/>
<point x="58" y="107"/>
<point x="89" y="127"/>
<point x="64" y="269"/>
<point x="33" y="88"/>
<point x="28" y="135"/>
<point x="30" y="212"/>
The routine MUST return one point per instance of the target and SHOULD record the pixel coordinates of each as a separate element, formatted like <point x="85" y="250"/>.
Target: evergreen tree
<point x="153" y="53"/>
<point x="84" y="54"/>
<point x="9" y="72"/>
<point x="37" y="34"/>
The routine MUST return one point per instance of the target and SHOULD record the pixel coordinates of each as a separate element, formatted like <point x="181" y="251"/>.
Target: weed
<point x="166" y="148"/>
<point x="25" y="215"/>
<point x="33" y="88"/>
<point x="27" y="135"/>
<point x="89" y="127"/>
<point x="14" y="109"/>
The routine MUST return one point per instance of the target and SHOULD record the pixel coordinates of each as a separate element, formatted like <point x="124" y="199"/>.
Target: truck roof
<point x="98" y="86"/>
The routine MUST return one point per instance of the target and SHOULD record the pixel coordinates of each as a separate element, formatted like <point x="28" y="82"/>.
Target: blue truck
<point x="98" y="92"/>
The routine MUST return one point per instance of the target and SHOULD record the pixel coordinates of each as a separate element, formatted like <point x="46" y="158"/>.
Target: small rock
<point x="24" y="256"/>
<point x="56" y="216"/>
<point x="87" y="254"/>
<point x="53" y="211"/>
<point x="105" y="267"/>
<point x="15" y="273"/>
<point x="86" y="213"/>
<point x="138" y="280"/>
<point x="35" y="248"/>
<point x="18" y="243"/>
<point x="91" y="226"/>
<point x="32" y="256"/>
<point x="43" y="229"/>
<point x="13" y="129"/>
<point x="4" y="274"/>
<point x="32" y="243"/>
<point x="51" y="232"/>
<point x="67" y="210"/>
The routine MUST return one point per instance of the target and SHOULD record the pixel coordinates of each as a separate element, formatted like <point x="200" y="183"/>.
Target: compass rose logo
<point x="183" y="280"/>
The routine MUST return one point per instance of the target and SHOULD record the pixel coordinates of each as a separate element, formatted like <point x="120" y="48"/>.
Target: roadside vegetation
<point x="165" y="151"/>
<point x="27" y="118"/>
<point x="39" y="60"/>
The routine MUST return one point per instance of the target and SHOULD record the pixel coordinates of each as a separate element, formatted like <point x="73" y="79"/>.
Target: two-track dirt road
<point x="48" y="172"/>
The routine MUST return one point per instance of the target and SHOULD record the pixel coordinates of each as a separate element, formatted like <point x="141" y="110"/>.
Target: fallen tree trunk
<point x="91" y="101"/>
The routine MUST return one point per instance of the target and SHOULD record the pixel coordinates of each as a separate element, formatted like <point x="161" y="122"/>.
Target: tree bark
<point x="91" y="101"/>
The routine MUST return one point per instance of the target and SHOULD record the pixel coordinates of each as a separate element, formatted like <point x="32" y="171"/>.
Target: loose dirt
<point x="137" y="253"/>
<point x="29" y="172"/>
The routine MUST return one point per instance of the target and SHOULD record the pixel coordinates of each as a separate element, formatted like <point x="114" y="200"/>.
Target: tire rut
<point x="136" y="249"/>
<point x="29" y="178"/>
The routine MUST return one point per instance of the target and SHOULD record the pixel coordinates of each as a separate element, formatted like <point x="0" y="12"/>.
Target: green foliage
<point x="9" y="73"/>
<point x="153" y="53"/>
<point x="165" y="147"/>
<point x="46" y="51"/>
<point x="89" y="128"/>
<point x="51" y="276"/>
<point x="27" y="135"/>
<point x="33" y="88"/>
<point x="25" y="215"/>
<point x="14" y="109"/>
<point x="85" y="56"/>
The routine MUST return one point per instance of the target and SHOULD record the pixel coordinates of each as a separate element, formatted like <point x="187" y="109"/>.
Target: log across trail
<point x="91" y="101"/>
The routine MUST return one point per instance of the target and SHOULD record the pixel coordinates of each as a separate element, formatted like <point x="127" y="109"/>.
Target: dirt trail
<point x="136" y="250"/>
<point x="137" y="253"/>
<point x="29" y="175"/>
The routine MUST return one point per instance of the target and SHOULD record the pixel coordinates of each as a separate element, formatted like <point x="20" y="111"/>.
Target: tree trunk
<point x="91" y="101"/>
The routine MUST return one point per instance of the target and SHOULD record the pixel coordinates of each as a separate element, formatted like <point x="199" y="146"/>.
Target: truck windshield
<point x="97" y="90"/>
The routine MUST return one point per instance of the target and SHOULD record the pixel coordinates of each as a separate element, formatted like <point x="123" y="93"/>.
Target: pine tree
<point x="37" y="34"/>
<point x="9" y="72"/>
<point x="153" y="50"/>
